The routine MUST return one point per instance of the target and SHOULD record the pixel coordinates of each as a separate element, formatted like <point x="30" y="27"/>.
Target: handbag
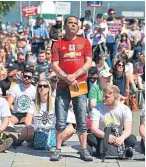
<point x="51" y="138"/>
<point x="44" y="140"/>
<point x="40" y="140"/>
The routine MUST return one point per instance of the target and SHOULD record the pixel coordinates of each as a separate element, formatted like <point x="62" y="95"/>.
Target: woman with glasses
<point x="120" y="78"/>
<point x="42" y="115"/>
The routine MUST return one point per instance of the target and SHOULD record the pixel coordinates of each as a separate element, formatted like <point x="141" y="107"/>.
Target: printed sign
<point x="30" y="10"/>
<point x="97" y="4"/>
<point x="63" y="8"/>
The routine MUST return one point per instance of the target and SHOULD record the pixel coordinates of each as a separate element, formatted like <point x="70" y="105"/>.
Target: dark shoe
<point x="16" y="141"/>
<point x="129" y="152"/>
<point x="85" y="155"/>
<point x="6" y="144"/>
<point x="56" y="156"/>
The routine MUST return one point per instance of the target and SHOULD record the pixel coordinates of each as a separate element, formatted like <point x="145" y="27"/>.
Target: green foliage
<point x="5" y="6"/>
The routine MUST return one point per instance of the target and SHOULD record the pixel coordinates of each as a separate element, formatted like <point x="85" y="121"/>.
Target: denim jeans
<point x="61" y="109"/>
<point x="112" y="49"/>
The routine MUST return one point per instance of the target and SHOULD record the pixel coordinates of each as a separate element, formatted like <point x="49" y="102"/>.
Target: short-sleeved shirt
<point x="119" y="116"/>
<point x="4" y="109"/>
<point x="23" y="97"/>
<point x="71" y="56"/>
<point x="96" y="92"/>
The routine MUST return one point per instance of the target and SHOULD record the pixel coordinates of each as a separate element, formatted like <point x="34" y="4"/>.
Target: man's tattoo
<point x="60" y="73"/>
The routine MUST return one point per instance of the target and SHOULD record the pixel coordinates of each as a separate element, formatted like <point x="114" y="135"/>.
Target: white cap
<point x="105" y="73"/>
<point x="58" y="18"/>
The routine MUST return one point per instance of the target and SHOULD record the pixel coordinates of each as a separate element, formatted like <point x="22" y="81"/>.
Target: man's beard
<point x="25" y="82"/>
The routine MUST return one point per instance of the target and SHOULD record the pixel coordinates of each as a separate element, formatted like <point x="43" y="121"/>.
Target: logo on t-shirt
<point x="72" y="48"/>
<point x="45" y="118"/>
<point x="23" y="102"/>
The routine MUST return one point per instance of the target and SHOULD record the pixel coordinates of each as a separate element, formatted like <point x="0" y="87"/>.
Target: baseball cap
<point x="105" y="73"/>
<point x="12" y="66"/>
<point x="87" y="12"/>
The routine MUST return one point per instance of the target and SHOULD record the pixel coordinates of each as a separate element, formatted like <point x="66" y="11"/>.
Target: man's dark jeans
<point x="61" y="109"/>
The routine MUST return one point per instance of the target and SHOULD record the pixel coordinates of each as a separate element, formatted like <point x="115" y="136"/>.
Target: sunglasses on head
<point x="43" y="85"/>
<point x="27" y="76"/>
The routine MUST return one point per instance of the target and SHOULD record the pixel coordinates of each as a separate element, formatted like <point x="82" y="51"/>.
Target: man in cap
<point x="96" y="92"/>
<point x="56" y="30"/>
<point x="38" y="35"/>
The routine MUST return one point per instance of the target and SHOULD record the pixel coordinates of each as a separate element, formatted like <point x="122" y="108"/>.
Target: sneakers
<point x="56" y="156"/>
<point x="6" y="144"/>
<point x="85" y="155"/>
<point x="129" y="152"/>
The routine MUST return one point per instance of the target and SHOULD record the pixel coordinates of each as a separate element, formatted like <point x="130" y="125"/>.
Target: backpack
<point x="108" y="150"/>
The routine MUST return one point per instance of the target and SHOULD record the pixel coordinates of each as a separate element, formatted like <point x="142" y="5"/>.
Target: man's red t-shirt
<point x="71" y="56"/>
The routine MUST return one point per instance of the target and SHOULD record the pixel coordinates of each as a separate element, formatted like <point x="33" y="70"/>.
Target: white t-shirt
<point x="4" y="110"/>
<point x="43" y="119"/>
<point x="23" y="97"/>
<point x="129" y="67"/>
<point x="105" y="116"/>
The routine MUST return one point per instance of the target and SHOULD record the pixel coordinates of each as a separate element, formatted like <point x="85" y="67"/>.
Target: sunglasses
<point x="27" y="76"/>
<point x="112" y="13"/>
<point x="48" y="53"/>
<point x="120" y="65"/>
<point x="92" y="78"/>
<point x="44" y="86"/>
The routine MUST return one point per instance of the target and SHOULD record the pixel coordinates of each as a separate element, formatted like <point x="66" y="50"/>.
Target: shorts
<point x="19" y="116"/>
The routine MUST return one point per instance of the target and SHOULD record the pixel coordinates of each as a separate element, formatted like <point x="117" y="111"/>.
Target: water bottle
<point x="1" y="93"/>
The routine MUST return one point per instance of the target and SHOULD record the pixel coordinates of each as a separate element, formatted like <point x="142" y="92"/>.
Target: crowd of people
<point x="77" y="79"/>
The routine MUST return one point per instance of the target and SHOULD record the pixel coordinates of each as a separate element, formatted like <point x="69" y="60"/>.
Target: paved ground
<point x="27" y="157"/>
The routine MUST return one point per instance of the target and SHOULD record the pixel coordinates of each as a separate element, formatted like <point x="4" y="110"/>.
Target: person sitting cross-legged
<point x="111" y="111"/>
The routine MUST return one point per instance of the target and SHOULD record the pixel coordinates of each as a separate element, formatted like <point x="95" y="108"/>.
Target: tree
<point x="5" y="7"/>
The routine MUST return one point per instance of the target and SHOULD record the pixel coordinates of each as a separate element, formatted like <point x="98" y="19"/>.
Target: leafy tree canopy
<point x="5" y="7"/>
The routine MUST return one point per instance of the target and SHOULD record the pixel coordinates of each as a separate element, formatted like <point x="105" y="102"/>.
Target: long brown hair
<point x="49" y="99"/>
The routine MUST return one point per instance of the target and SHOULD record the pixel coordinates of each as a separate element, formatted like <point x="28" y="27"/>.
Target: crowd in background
<point x="118" y="57"/>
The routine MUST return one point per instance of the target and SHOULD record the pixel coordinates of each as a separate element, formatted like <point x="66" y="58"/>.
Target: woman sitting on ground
<point x="42" y="116"/>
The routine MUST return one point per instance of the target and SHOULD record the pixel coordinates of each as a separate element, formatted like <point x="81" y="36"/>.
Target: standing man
<point x="37" y="35"/>
<point x="71" y="58"/>
<point x="114" y="27"/>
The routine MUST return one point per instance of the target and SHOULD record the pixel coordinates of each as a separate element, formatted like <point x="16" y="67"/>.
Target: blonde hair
<point x="49" y="99"/>
<point x="113" y="89"/>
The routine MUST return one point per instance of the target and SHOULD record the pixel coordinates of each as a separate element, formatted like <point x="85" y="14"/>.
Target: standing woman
<point x="120" y="78"/>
